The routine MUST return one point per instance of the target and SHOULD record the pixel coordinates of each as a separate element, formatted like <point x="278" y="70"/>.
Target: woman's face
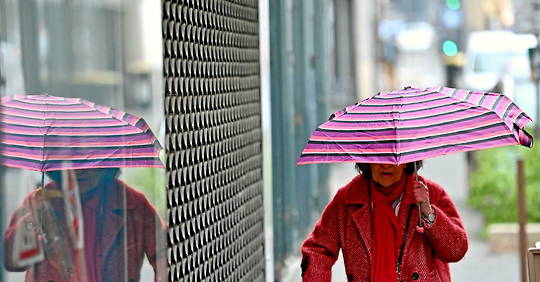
<point x="87" y="178"/>
<point x="387" y="174"/>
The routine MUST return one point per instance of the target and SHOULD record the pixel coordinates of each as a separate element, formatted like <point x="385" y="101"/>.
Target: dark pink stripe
<point x="391" y="99"/>
<point x="51" y="115"/>
<point x="475" y="97"/>
<point x="22" y="164"/>
<point x="417" y="122"/>
<point x="460" y="94"/>
<point x="489" y="100"/>
<point x="501" y="129"/>
<point x="458" y="149"/>
<point x="96" y="164"/>
<point x="502" y="106"/>
<point x="391" y="134"/>
<point x="407" y="146"/>
<point x="423" y="113"/>
<point x="71" y="131"/>
<point x="40" y="99"/>
<point x="47" y="154"/>
<point x="360" y="109"/>
<point x="59" y="123"/>
<point x="47" y="107"/>
<point x="77" y="157"/>
<point x="403" y="128"/>
<point x="523" y="120"/>
<point x="405" y="158"/>
<point x="103" y="164"/>
<point x="342" y="159"/>
<point x="79" y="142"/>
<point x="76" y="144"/>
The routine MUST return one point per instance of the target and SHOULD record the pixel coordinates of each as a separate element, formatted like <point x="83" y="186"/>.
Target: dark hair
<point x="106" y="174"/>
<point x="365" y="168"/>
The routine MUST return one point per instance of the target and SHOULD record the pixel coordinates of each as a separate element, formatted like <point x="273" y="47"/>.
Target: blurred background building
<point x="315" y="57"/>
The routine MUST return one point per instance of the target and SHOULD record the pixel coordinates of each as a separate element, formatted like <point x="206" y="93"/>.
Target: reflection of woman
<point x="373" y="221"/>
<point x="120" y="228"/>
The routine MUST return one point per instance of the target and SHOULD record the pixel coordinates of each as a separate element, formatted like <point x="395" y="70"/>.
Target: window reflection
<point x="86" y="226"/>
<point x="107" y="52"/>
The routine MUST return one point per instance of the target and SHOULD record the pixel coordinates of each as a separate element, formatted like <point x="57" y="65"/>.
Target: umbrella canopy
<point x="414" y="124"/>
<point x="45" y="133"/>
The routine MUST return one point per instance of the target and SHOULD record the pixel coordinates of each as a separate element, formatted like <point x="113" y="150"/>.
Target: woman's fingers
<point x="421" y="192"/>
<point x="45" y="194"/>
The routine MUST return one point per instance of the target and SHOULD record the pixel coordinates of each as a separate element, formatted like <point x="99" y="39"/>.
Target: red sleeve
<point x="21" y="218"/>
<point x="321" y="249"/>
<point x="447" y="233"/>
<point x="155" y="244"/>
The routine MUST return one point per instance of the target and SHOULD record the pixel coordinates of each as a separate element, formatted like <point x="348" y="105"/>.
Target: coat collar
<point x="357" y="191"/>
<point x="357" y="196"/>
<point x="113" y="213"/>
<point x="114" y="194"/>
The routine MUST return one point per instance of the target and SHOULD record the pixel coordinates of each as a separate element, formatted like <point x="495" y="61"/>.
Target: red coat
<point x="346" y="224"/>
<point x="142" y="231"/>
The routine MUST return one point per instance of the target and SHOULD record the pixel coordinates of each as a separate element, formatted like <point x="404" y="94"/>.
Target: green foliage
<point x="150" y="181"/>
<point x="493" y="183"/>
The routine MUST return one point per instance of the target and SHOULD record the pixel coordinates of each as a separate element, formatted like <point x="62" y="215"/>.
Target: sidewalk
<point x="479" y="264"/>
<point x="340" y="174"/>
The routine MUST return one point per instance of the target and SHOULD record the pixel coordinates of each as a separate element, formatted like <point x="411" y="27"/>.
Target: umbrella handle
<point x="420" y="223"/>
<point x="420" y="226"/>
<point x="415" y="172"/>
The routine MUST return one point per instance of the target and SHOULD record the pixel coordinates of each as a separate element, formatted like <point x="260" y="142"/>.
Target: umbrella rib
<point x="414" y="151"/>
<point x="38" y="111"/>
<point x="468" y="118"/>
<point x="341" y="147"/>
<point x="391" y="140"/>
<point x="44" y="135"/>
<point x="490" y="109"/>
<point x="443" y="120"/>
<point x="404" y="119"/>
<point x="128" y="137"/>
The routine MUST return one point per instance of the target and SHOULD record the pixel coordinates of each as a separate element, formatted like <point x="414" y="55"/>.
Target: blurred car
<point x="522" y="92"/>
<point x="490" y="54"/>
<point x="486" y="56"/>
<point x="516" y="79"/>
<point x="498" y="61"/>
<point x="415" y="37"/>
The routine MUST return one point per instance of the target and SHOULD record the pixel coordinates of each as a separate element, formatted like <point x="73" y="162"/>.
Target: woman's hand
<point x="42" y="196"/>
<point x="421" y="194"/>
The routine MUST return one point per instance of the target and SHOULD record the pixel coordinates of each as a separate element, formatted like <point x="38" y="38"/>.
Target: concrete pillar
<point x="365" y="36"/>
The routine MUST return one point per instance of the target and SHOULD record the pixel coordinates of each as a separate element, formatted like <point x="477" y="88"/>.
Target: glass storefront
<point x="95" y="70"/>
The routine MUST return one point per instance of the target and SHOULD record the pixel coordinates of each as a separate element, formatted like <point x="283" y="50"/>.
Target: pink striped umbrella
<point x="414" y="124"/>
<point x="45" y="133"/>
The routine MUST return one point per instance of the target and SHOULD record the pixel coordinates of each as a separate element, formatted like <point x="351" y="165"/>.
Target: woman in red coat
<point x="374" y="221"/>
<point x="121" y="228"/>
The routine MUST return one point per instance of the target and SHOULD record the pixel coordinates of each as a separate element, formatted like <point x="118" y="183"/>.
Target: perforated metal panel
<point x="213" y="140"/>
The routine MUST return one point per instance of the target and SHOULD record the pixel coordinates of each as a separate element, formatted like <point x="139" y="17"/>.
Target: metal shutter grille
<point x="213" y="140"/>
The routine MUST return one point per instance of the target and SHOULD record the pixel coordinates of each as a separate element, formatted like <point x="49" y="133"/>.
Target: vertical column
<point x="213" y="140"/>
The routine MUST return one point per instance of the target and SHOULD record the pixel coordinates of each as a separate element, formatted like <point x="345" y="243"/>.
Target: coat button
<point x="350" y="277"/>
<point x="415" y="276"/>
